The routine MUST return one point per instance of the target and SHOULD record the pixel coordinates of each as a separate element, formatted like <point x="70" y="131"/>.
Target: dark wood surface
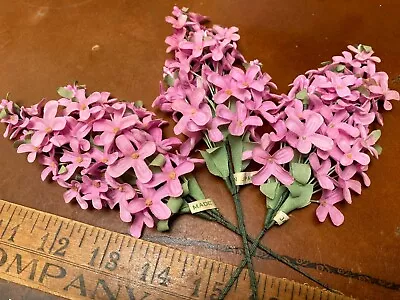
<point x="48" y="43"/>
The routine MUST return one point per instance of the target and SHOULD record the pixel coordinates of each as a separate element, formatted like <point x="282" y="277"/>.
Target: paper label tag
<point x="281" y="217"/>
<point x="201" y="205"/>
<point x="242" y="178"/>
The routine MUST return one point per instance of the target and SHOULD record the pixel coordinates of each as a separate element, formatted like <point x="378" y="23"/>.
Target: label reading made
<point x="201" y="205"/>
<point x="242" y="178"/>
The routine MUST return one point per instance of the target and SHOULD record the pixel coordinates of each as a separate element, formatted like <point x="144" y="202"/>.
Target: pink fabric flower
<point x="133" y="158"/>
<point x="228" y="87"/>
<point x="239" y="120"/>
<point x="303" y="135"/>
<point x="346" y="183"/>
<point x="31" y="149"/>
<point x="326" y="207"/>
<point x="382" y="89"/>
<point x="151" y="199"/>
<point x="141" y="218"/>
<point x="198" y="42"/>
<point x="47" y="124"/>
<point x="196" y="111"/>
<point x="170" y="176"/>
<point x="76" y="160"/>
<point x="92" y="190"/>
<point x="110" y="128"/>
<point x="73" y="192"/>
<point x="83" y="104"/>
<point x="320" y="171"/>
<point x="248" y="79"/>
<point x="272" y="163"/>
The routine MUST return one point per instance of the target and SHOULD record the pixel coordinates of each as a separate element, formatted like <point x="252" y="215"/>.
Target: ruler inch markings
<point x="8" y="223"/>
<point x="124" y="282"/>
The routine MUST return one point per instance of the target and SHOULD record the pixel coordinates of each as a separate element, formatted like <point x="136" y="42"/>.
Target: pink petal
<point x="224" y="112"/>
<point x="174" y="188"/>
<point x="282" y="175"/>
<point x="304" y="145"/>
<point x="137" y="205"/>
<point x="59" y="123"/>
<point x="142" y="171"/>
<point x="120" y="167"/>
<point x="336" y="216"/>
<point x="124" y="145"/>
<point x="325" y="182"/>
<point x="160" y="210"/>
<point x="313" y="123"/>
<point x="37" y="138"/>
<point x="362" y="158"/>
<point x="32" y="157"/>
<point x="147" y="150"/>
<point x="50" y="110"/>
<point x="264" y="173"/>
<point x="284" y="155"/>
<point x="322" y="142"/>
<point x="221" y="97"/>
<point x="322" y="213"/>
<point x="184" y="168"/>
<point x="295" y="126"/>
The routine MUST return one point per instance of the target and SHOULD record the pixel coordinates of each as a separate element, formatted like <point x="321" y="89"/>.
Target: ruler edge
<point x="52" y="292"/>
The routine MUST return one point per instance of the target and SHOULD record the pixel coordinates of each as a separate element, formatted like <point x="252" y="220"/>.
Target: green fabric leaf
<point x="235" y="142"/>
<point x="162" y="225"/>
<point x="169" y="80"/>
<point x="158" y="161"/>
<point x="340" y="68"/>
<point x="184" y="208"/>
<point x="216" y="161"/>
<point x="174" y="204"/>
<point x="65" y="93"/>
<point x="365" y="48"/>
<point x="325" y="63"/>
<point x="301" y="172"/>
<point x="138" y="103"/>
<point x="17" y="143"/>
<point x="302" y="94"/>
<point x="295" y="189"/>
<point x="376" y="134"/>
<point x="364" y="91"/>
<point x="292" y="202"/>
<point x="378" y="149"/>
<point x="185" y="188"/>
<point x="62" y="170"/>
<point x="195" y="189"/>
<point x="269" y="189"/>
<point x="3" y="114"/>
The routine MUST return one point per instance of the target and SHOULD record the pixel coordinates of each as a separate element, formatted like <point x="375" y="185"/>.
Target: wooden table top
<point x="48" y="43"/>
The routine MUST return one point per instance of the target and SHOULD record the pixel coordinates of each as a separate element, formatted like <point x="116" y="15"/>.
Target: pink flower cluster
<point x="323" y="122"/>
<point x="326" y="117"/>
<point x="105" y="152"/>
<point x="206" y="90"/>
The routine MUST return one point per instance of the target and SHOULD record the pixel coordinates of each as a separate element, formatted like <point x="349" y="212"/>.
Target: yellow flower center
<point x="172" y="175"/>
<point x="116" y="129"/>
<point x="240" y="123"/>
<point x="349" y="155"/>
<point x="304" y="138"/>
<point x="79" y="159"/>
<point x="193" y="111"/>
<point x="48" y="130"/>
<point x="96" y="184"/>
<point x="135" y="155"/>
<point x="121" y="188"/>
<point x="323" y="202"/>
<point x="104" y="160"/>
<point x="246" y="84"/>
<point x="229" y="92"/>
<point x="83" y="106"/>
<point x="148" y="202"/>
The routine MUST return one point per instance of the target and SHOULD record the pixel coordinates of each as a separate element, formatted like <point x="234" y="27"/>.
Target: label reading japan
<point x="242" y="178"/>
<point x="281" y="217"/>
<point x="201" y="205"/>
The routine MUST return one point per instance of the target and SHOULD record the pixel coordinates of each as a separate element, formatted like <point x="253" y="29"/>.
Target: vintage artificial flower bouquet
<point x="311" y="146"/>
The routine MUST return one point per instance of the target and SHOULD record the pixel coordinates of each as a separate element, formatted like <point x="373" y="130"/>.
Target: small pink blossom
<point x="326" y="207"/>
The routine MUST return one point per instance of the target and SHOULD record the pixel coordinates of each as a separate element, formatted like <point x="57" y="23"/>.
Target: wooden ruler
<point x="78" y="261"/>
